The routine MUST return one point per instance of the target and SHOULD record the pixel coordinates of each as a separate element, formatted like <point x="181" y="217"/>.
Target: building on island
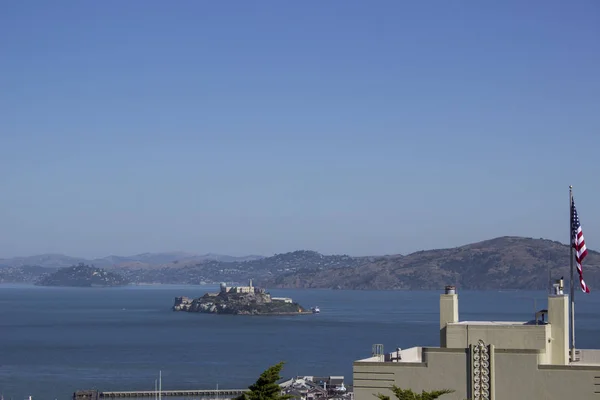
<point x="251" y="289"/>
<point x="284" y="299"/>
<point x="241" y="289"/>
<point x="238" y="300"/>
<point x="488" y="359"/>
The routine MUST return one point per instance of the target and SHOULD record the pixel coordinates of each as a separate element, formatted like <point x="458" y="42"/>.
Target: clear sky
<point x="260" y="127"/>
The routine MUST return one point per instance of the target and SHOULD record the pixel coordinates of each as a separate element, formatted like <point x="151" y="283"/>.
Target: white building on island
<point x="251" y="289"/>
<point x="240" y="289"/>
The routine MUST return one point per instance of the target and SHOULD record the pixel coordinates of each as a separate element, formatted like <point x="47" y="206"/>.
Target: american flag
<point x="578" y="243"/>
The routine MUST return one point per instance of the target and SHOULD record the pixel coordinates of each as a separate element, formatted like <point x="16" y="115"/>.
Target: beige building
<point x="489" y="360"/>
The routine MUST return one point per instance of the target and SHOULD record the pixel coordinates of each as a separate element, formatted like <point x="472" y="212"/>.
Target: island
<point x="240" y="300"/>
<point x="82" y="276"/>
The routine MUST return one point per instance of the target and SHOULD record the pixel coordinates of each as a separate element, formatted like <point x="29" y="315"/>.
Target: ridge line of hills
<point x="54" y="260"/>
<point x="507" y="262"/>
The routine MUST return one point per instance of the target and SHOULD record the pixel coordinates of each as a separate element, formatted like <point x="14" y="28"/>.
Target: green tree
<point x="266" y="386"/>
<point x="408" y="394"/>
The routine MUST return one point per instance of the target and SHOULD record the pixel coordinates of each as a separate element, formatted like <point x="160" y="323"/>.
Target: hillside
<point x="82" y="276"/>
<point x="501" y="263"/>
<point x="263" y="269"/>
<point x="24" y="274"/>
<point x="138" y="261"/>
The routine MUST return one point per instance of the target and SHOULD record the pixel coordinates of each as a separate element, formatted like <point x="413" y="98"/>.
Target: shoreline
<point x="254" y="315"/>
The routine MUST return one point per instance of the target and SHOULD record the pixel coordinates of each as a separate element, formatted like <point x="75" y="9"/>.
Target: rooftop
<point x="586" y="357"/>
<point x="412" y="355"/>
<point x="493" y="323"/>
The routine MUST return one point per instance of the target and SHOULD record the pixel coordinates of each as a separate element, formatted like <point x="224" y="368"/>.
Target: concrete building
<point x="488" y="359"/>
<point x="240" y="289"/>
<point x="284" y="299"/>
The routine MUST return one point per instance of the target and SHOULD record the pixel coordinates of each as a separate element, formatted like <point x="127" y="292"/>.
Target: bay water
<point x="54" y="341"/>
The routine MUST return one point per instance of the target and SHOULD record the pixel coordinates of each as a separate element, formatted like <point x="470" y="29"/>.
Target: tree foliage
<point x="408" y="394"/>
<point x="266" y="386"/>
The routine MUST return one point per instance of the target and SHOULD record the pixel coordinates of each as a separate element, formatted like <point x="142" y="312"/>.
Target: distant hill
<point x="261" y="270"/>
<point x="24" y="274"/>
<point x="500" y="263"/>
<point x="82" y="276"/>
<point x="145" y="260"/>
<point x="42" y="260"/>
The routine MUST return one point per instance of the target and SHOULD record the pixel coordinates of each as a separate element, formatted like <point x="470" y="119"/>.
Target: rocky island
<point x="240" y="300"/>
<point x="82" y="276"/>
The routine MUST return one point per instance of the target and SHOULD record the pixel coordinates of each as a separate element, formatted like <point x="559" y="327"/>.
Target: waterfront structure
<point x="300" y="388"/>
<point x="316" y="388"/>
<point x="223" y="394"/>
<point x="491" y="360"/>
<point x="86" y="395"/>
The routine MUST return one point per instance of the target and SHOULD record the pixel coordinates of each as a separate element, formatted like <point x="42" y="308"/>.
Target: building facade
<point x="488" y="359"/>
<point x="240" y="289"/>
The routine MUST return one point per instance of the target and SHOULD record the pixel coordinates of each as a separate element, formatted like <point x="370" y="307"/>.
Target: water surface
<point x="54" y="341"/>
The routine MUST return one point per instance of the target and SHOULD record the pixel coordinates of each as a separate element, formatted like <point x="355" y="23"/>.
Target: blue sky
<point x="262" y="127"/>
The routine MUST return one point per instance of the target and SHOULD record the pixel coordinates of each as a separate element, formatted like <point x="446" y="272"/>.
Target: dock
<point x="221" y="394"/>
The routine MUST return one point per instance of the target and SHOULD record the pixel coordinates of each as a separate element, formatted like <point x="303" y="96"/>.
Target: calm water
<point x="54" y="341"/>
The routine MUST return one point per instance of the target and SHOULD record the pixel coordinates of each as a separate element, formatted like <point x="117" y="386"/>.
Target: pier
<point x="221" y="394"/>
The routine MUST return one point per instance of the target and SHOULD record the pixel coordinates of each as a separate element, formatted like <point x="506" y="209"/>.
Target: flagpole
<point x="572" y="291"/>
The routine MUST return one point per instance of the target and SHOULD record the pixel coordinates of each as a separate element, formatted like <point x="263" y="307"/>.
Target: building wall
<point x="502" y="336"/>
<point x="448" y="314"/>
<point x="237" y="289"/>
<point x="243" y="289"/>
<point x="517" y="375"/>
<point x="441" y="369"/>
<point x="558" y="316"/>
<point x="284" y="299"/>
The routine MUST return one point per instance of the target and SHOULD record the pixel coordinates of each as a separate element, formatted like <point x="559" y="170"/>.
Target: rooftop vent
<point x="558" y="287"/>
<point x="450" y="289"/>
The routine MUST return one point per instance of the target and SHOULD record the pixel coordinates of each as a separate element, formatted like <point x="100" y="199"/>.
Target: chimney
<point x="448" y="311"/>
<point x="558" y="318"/>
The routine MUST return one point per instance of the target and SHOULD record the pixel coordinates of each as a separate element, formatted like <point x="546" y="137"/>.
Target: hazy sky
<point x="261" y="127"/>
